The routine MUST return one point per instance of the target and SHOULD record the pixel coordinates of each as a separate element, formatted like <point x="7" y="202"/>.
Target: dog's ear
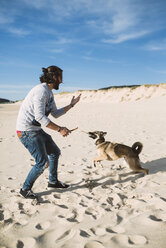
<point x="104" y="133"/>
<point x="92" y="135"/>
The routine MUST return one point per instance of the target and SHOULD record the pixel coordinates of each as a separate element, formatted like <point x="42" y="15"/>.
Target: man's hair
<point x="49" y="72"/>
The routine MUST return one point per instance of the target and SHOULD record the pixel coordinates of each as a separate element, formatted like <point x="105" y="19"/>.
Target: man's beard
<point x="56" y="85"/>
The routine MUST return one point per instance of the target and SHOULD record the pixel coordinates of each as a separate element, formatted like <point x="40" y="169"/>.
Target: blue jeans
<point x="45" y="152"/>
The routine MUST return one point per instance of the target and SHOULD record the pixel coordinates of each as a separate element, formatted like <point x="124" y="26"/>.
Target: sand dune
<point x="105" y="206"/>
<point x="115" y="95"/>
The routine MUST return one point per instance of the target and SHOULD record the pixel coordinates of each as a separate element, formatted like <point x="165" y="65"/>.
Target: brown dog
<point x="113" y="151"/>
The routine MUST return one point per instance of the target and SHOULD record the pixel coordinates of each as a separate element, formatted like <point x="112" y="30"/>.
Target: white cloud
<point x="98" y="59"/>
<point x="123" y="18"/>
<point x="122" y="21"/>
<point x="60" y="41"/>
<point x="18" y="31"/>
<point x="68" y="8"/>
<point x="116" y="20"/>
<point x="63" y="41"/>
<point x="12" y="86"/>
<point x="160" y="46"/>
<point x="38" y="4"/>
<point x="5" y="20"/>
<point x="7" y="15"/>
<point x="125" y="37"/>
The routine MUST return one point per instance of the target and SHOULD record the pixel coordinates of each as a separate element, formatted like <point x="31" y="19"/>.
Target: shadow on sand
<point x="107" y="181"/>
<point x="156" y="165"/>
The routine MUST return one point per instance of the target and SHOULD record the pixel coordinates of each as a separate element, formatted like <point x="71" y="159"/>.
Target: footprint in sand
<point x="1" y="215"/>
<point x="56" y="236"/>
<point x="67" y="235"/>
<point x="92" y="212"/>
<point x="26" y="243"/>
<point x="115" y="229"/>
<point x="84" y="234"/>
<point x="83" y="204"/>
<point x="125" y="240"/>
<point x="93" y="244"/>
<point x="7" y="216"/>
<point x="72" y="218"/>
<point x="161" y="215"/>
<point x="22" y="222"/>
<point x="62" y="206"/>
<point x="12" y="178"/>
<point x="57" y="196"/>
<point x="43" y="225"/>
<point x="99" y="231"/>
<point x="71" y="172"/>
<point x="162" y="198"/>
<point x="156" y="219"/>
<point x="120" y="239"/>
<point x="137" y="240"/>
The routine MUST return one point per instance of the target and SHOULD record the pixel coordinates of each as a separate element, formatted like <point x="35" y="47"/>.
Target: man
<point x="33" y="114"/>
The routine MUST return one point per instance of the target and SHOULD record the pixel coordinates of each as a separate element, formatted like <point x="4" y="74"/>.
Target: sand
<point x="107" y="206"/>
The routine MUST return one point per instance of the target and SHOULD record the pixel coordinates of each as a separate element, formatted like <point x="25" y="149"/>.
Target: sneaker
<point x="58" y="184"/>
<point x="28" y="194"/>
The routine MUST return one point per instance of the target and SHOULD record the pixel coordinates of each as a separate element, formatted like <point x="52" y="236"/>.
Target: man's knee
<point x="55" y="155"/>
<point x="46" y="165"/>
<point x="42" y="166"/>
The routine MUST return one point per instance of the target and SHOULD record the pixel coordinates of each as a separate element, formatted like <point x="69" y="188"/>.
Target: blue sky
<point x="97" y="43"/>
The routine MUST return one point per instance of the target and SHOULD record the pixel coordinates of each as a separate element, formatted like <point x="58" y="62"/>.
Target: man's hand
<point x="64" y="131"/>
<point x="75" y="100"/>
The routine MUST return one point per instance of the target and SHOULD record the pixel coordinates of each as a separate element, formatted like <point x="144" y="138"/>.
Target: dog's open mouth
<point x="92" y="135"/>
<point x="97" y="134"/>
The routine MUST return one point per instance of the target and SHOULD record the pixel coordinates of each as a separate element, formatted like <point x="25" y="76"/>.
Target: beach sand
<point x="106" y="206"/>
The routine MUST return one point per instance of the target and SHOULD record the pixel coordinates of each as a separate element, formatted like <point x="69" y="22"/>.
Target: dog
<point x="113" y="151"/>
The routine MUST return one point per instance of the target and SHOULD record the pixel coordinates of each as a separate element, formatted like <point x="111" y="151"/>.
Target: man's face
<point x="57" y="82"/>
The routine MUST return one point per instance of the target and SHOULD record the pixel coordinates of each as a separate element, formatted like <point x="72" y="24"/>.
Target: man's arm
<point x="53" y="126"/>
<point x="58" y="112"/>
<point x="62" y="130"/>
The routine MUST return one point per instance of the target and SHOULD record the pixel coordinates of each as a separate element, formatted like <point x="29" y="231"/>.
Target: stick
<point x="73" y="129"/>
<point x="84" y="132"/>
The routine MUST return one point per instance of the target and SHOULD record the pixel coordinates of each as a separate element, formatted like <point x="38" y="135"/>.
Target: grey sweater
<point x="36" y="107"/>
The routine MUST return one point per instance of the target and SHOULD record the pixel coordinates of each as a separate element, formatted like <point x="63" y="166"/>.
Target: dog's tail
<point x="137" y="147"/>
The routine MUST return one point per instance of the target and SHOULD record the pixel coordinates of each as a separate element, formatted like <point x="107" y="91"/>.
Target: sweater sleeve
<point x="39" y="109"/>
<point x="57" y="112"/>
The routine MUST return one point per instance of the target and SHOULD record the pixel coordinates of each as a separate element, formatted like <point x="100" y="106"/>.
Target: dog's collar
<point x="99" y="141"/>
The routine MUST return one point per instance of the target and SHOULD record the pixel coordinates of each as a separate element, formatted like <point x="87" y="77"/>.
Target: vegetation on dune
<point x="120" y="87"/>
